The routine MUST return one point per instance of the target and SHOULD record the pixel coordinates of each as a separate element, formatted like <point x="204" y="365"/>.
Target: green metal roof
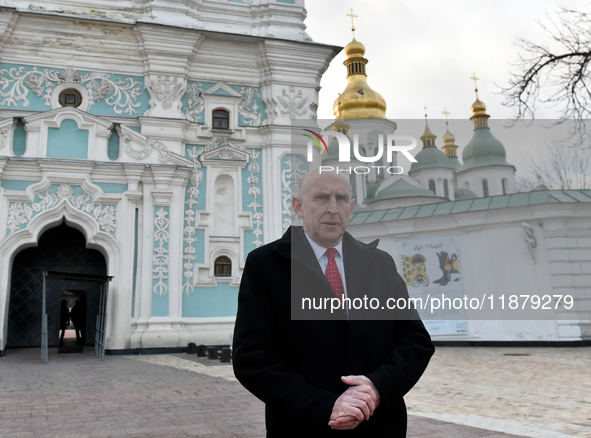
<point x="483" y="150"/>
<point x="400" y="189"/>
<point x="430" y="157"/>
<point x="468" y="205"/>
<point x="464" y="194"/>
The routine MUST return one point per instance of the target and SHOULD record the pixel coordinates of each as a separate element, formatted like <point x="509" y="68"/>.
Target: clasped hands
<point x="354" y="405"/>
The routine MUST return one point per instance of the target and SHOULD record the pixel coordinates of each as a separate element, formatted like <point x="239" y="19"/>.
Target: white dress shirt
<point x="320" y="253"/>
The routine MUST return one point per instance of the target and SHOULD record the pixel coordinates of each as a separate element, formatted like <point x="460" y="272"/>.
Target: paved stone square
<point x="467" y="392"/>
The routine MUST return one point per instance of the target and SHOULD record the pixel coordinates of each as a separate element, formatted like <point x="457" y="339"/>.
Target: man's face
<point x="325" y="206"/>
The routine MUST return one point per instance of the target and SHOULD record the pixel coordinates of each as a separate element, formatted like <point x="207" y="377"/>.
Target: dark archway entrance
<point x="59" y="249"/>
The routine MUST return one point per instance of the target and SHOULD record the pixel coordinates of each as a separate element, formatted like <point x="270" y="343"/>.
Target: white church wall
<point x="496" y="259"/>
<point x="472" y="179"/>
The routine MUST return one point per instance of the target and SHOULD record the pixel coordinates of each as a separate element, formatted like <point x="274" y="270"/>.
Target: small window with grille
<point x="432" y="186"/>
<point x="223" y="267"/>
<point x="70" y="97"/>
<point x="221" y="119"/>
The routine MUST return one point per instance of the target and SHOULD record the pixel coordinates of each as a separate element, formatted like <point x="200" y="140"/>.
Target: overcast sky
<point x="423" y="53"/>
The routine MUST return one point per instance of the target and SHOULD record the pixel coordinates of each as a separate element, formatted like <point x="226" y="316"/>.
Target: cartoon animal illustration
<point x="414" y="270"/>
<point x="448" y="265"/>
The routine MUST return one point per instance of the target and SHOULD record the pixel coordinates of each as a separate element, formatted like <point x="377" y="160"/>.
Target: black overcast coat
<point x="294" y="366"/>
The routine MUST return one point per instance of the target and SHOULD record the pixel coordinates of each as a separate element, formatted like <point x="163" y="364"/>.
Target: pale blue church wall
<point x="67" y="141"/>
<point x="31" y="88"/>
<point x="19" y="139"/>
<point x="213" y="301"/>
<point x="13" y="184"/>
<point x="112" y="187"/>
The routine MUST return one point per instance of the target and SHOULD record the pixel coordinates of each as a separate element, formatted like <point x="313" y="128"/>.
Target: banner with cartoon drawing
<point x="431" y="268"/>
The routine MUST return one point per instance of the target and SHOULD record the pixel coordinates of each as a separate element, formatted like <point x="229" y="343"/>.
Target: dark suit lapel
<point x="355" y="256"/>
<point x="295" y="246"/>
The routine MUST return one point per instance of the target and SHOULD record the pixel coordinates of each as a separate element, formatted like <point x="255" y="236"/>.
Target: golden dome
<point x="358" y="101"/>
<point x="448" y="138"/>
<point x="355" y="49"/>
<point x="478" y="107"/>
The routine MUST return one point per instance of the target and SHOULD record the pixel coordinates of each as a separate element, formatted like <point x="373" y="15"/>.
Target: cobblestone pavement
<point x="489" y="394"/>
<point x="537" y="392"/>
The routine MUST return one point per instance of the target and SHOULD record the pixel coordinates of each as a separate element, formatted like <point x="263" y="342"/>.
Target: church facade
<point x="150" y="142"/>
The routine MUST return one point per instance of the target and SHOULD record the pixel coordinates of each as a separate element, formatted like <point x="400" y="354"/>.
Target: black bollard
<point x="212" y="353"/>
<point x="191" y="348"/>
<point x="201" y="351"/>
<point x="226" y="355"/>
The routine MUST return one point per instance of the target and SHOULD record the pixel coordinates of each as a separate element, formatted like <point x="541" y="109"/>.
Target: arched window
<point x="432" y="186"/>
<point x="223" y="267"/>
<point x="445" y="189"/>
<point x="484" y="188"/>
<point x="504" y="184"/>
<point x="221" y="119"/>
<point x="70" y="97"/>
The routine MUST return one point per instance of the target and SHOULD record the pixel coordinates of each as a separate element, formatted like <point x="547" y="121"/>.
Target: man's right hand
<point x="356" y="404"/>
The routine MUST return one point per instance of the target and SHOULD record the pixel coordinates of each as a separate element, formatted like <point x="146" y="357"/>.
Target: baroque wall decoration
<point x="254" y="192"/>
<point x="189" y="231"/>
<point x="122" y="94"/>
<point x="161" y="251"/>
<point x="167" y="89"/>
<point x="21" y="213"/>
<point x="195" y="102"/>
<point x="292" y="103"/>
<point x="530" y="239"/>
<point x="248" y="107"/>
<point x="146" y="150"/>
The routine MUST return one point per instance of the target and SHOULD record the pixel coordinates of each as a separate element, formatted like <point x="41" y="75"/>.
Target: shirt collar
<point x="319" y="251"/>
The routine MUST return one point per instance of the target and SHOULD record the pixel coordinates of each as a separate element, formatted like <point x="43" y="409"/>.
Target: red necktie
<point x="333" y="275"/>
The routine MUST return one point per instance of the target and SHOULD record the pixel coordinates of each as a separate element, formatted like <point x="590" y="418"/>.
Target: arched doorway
<point x="59" y="249"/>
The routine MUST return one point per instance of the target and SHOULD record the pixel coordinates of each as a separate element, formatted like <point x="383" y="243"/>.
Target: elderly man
<point x="328" y="373"/>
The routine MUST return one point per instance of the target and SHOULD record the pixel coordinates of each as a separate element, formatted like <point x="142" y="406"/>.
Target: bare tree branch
<point x="557" y="74"/>
<point x="558" y="167"/>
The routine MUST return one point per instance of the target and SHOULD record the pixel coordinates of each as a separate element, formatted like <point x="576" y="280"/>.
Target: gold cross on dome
<point x="353" y="16"/>
<point x="446" y="112"/>
<point x="474" y="78"/>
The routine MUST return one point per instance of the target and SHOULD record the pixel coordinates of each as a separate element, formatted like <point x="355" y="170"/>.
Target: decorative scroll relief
<point x="530" y="239"/>
<point x="146" y="150"/>
<point x="161" y="252"/>
<point x="292" y="103"/>
<point x="4" y="140"/>
<point x="167" y="89"/>
<point x="254" y="191"/>
<point x="21" y="213"/>
<point x="191" y="199"/>
<point x="122" y="94"/>
<point x="195" y="102"/>
<point x="221" y="142"/>
<point x="293" y="169"/>
<point x="270" y="111"/>
<point x="248" y="107"/>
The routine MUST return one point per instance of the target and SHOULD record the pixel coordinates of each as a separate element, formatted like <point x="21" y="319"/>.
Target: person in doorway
<point x="79" y="320"/>
<point x="342" y="373"/>
<point x="64" y="319"/>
